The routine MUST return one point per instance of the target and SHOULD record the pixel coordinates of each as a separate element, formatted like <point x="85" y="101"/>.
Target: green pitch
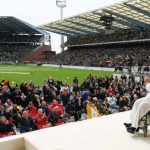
<point x="18" y="73"/>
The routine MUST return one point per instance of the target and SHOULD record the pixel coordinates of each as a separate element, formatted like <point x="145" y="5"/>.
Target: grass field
<point x="18" y="73"/>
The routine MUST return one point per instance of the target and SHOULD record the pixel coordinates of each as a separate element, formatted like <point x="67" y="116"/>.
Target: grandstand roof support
<point x="58" y="32"/>
<point x="99" y="23"/>
<point x="133" y="26"/>
<point x="88" y="32"/>
<point x="122" y="22"/>
<point x="146" y="13"/>
<point x="133" y="21"/>
<point x="129" y="14"/>
<point x="88" y="26"/>
<point x="69" y="33"/>
<point x="65" y="34"/>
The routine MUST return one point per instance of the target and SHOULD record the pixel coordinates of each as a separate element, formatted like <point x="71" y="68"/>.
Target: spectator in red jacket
<point x="32" y="110"/>
<point x="56" y="103"/>
<point x="41" y="120"/>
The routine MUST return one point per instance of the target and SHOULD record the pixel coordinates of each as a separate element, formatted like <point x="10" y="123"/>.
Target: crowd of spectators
<point x="27" y="107"/>
<point x="104" y="57"/>
<point x="15" y="52"/>
<point x="124" y="36"/>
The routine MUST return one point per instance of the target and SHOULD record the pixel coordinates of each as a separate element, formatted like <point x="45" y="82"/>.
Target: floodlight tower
<point x="61" y="4"/>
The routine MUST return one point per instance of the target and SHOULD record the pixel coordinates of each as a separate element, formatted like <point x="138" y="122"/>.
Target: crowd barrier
<point x="80" y="67"/>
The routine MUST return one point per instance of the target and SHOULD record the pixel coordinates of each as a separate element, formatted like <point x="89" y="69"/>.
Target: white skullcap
<point x="94" y="98"/>
<point x="148" y="87"/>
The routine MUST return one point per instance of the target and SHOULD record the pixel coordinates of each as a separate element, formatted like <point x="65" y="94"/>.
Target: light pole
<point x="61" y="4"/>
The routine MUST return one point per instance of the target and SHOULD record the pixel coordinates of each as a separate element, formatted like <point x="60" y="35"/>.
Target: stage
<point x="106" y="132"/>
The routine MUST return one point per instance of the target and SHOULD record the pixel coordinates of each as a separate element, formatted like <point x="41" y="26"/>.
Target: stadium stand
<point x="114" y="37"/>
<point x="19" y="39"/>
<point x="95" y="45"/>
<point x="104" y="56"/>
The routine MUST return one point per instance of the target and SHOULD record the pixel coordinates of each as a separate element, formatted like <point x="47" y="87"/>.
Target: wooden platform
<point x="107" y="132"/>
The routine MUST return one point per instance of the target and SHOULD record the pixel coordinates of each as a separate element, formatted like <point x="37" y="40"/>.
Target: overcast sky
<point x="38" y="12"/>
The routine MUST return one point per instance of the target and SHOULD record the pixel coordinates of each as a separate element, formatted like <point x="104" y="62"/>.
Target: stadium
<point x="81" y="97"/>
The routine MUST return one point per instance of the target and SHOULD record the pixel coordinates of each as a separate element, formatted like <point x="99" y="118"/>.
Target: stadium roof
<point x="131" y="14"/>
<point x="14" y="25"/>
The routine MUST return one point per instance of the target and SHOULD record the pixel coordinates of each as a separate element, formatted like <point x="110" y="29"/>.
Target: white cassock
<point x="140" y="108"/>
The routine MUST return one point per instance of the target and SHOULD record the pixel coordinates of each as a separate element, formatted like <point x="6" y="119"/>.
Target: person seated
<point x="41" y="120"/>
<point x="56" y="117"/>
<point x="140" y="108"/>
<point x="92" y="111"/>
<point x="6" y="129"/>
<point x="113" y="103"/>
<point x="56" y="103"/>
<point x="45" y="109"/>
<point x="26" y="124"/>
<point x="2" y="109"/>
<point x="123" y="104"/>
<point x="8" y="107"/>
<point x="32" y="110"/>
<point x="106" y="107"/>
<point x="70" y="110"/>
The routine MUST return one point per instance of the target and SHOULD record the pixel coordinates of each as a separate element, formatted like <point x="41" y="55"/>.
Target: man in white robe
<point x="140" y="108"/>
